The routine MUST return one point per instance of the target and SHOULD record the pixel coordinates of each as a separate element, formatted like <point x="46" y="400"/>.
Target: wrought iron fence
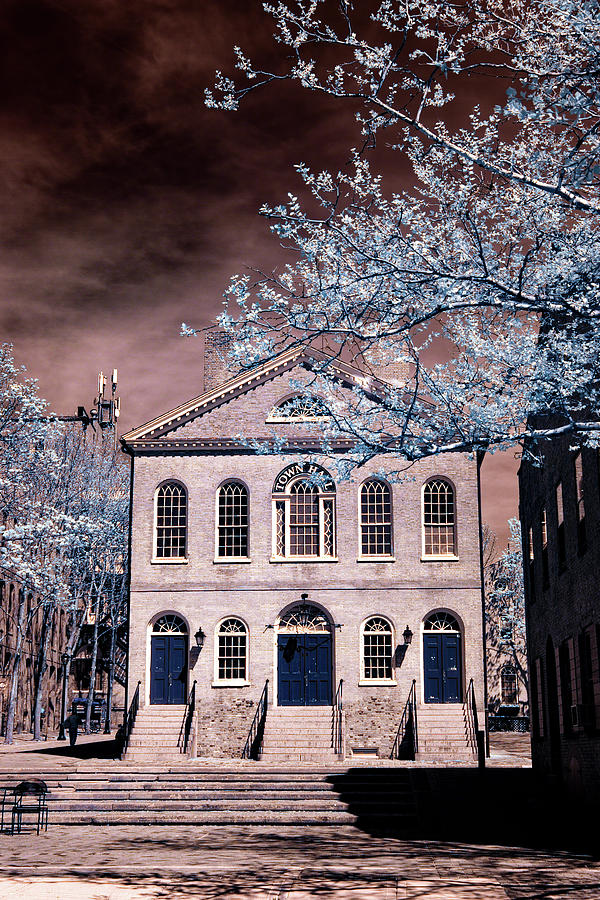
<point x="509" y="723"/>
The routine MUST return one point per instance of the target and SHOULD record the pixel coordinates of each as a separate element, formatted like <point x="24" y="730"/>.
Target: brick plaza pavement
<point x="515" y="856"/>
<point x="214" y="863"/>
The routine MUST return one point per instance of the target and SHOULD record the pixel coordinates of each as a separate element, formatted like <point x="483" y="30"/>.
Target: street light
<point x="63" y="706"/>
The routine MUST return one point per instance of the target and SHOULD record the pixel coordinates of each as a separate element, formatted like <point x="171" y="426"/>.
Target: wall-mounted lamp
<point x="200" y="637"/>
<point x="407" y="635"/>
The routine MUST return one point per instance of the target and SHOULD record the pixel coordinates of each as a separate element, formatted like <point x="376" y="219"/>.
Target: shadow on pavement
<point x="100" y="749"/>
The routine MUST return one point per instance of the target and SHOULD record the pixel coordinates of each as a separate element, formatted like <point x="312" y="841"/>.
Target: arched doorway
<point x="442" y="659"/>
<point x="168" y="660"/>
<point x="304" y="657"/>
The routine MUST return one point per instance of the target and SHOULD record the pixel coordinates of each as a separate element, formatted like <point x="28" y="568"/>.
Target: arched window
<point x="304" y="517"/>
<point x="169" y="624"/>
<point x="439" y="519"/>
<point x="299" y="408"/>
<point x="441" y="621"/>
<point x="232" y="654"/>
<point x="375" y="518"/>
<point x="509" y="685"/>
<point x="377" y="649"/>
<point x="171" y="521"/>
<point x="232" y="521"/>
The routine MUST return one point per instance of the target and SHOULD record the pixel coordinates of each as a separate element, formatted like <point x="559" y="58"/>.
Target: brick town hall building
<point x="244" y="570"/>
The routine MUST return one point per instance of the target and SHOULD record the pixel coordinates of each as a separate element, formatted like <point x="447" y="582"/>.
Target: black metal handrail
<point x="253" y="744"/>
<point x="338" y="720"/>
<point x="475" y="737"/>
<point x="406" y="743"/>
<point x="130" y="719"/>
<point x="188" y="718"/>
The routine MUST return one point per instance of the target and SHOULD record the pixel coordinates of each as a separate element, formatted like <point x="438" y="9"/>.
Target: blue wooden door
<point x="168" y="669"/>
<point x="441" y="667"/>
<point x="304" y="670"/>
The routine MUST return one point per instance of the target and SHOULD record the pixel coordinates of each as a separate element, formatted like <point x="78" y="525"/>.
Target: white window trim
<point x="437" y="557"/>
<point x="230" y="559"/>
<point x="363" y="681"/>
<point x="230" y="682"/>
<point x="379" y="557"/>
<point x="170" y="560"/>
<point x="286" y="499"/>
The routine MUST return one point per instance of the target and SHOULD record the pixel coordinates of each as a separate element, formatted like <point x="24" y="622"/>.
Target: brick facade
<point x="203" y="591"/>
<point x="563" y="623"/>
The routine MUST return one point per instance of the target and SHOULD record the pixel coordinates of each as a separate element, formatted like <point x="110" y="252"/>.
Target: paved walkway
<point x="263" y="863"/>
<point x="137" y="863"/>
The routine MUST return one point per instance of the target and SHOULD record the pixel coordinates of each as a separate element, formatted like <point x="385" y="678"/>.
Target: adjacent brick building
<point x="560" y="516"/>
<point x="247" y="567"/>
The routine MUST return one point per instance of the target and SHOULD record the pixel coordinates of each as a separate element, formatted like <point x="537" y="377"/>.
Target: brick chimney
<point x="217" y="367"/>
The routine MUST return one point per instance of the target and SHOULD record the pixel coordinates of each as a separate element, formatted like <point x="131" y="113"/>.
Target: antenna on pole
<point x="104" y="411"/>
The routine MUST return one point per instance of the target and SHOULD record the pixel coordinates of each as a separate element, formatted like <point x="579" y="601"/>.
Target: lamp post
<point x="63" y="706"/>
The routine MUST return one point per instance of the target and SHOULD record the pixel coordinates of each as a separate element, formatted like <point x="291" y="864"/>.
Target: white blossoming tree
<point x="64" y="499"/>
<point x="480" y="279"/>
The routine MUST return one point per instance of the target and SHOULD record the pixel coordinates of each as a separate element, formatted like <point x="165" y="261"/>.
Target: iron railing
<point x="338" y="721"/>
<point x="475" y="737"/>
<point x="253" y="744"/>
<point x="509" y="723"/>
<point x="406" y="743"/>
<point x="188" y="718"/>
<point x="130" y="719"/>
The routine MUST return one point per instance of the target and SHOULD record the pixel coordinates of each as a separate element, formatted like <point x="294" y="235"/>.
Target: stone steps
<point x="255" y="796"/>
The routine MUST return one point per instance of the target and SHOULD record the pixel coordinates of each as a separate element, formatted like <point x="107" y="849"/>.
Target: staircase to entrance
<point x="155" y="735"/>
<point x="300" y="734"/>
<point x="444" y="734"/>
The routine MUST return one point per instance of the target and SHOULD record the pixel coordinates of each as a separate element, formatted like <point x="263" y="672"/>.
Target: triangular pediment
<point x="178" y="421"/>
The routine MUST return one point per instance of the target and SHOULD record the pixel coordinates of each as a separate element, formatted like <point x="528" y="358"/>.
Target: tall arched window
<point x="439" y="519"/>
<point x="375" y="518"/>
<point x="232" y="521"/>
<point x="509" y="685"/>
<point x="232" y="652"/>
<point x="304" y="516"/>
<point x="377" y="649"/>
<point x="171" y="521"/>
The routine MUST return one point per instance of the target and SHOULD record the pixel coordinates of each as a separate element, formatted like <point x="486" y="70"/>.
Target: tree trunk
<point x="90" y="696"/>
<point x="16" y="665"/>
<point x="42" y="667"/>
<point x="109" y="680"/>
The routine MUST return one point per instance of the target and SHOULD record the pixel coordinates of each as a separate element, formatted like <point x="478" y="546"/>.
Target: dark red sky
<point x="126" y="205"/>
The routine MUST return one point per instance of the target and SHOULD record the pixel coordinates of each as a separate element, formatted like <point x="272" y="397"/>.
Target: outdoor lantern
<point x="407" y="635"/>
<point x="64" y="658"/>
<point x="199" y="636"/>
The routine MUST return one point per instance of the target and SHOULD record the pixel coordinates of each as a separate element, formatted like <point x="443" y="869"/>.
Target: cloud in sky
<point x="125" y="204"/>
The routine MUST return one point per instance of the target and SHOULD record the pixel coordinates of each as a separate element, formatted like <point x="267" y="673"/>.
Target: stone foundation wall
<point x="223" y="726"/>
<point x="373" y="723"/>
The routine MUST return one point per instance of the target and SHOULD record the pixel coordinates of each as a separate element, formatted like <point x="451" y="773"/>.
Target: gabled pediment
<point x="164" y="426"/>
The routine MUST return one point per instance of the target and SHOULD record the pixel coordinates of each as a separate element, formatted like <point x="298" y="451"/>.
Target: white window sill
<point x="231" y="560"/>
<point x="232" y="683"/>
<point x="169" y="561"/>
<point x="303" y="559"/>
<point x="448" y="558"/>
<point x="377" y="682"/>
<point x="372" y="559"/>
